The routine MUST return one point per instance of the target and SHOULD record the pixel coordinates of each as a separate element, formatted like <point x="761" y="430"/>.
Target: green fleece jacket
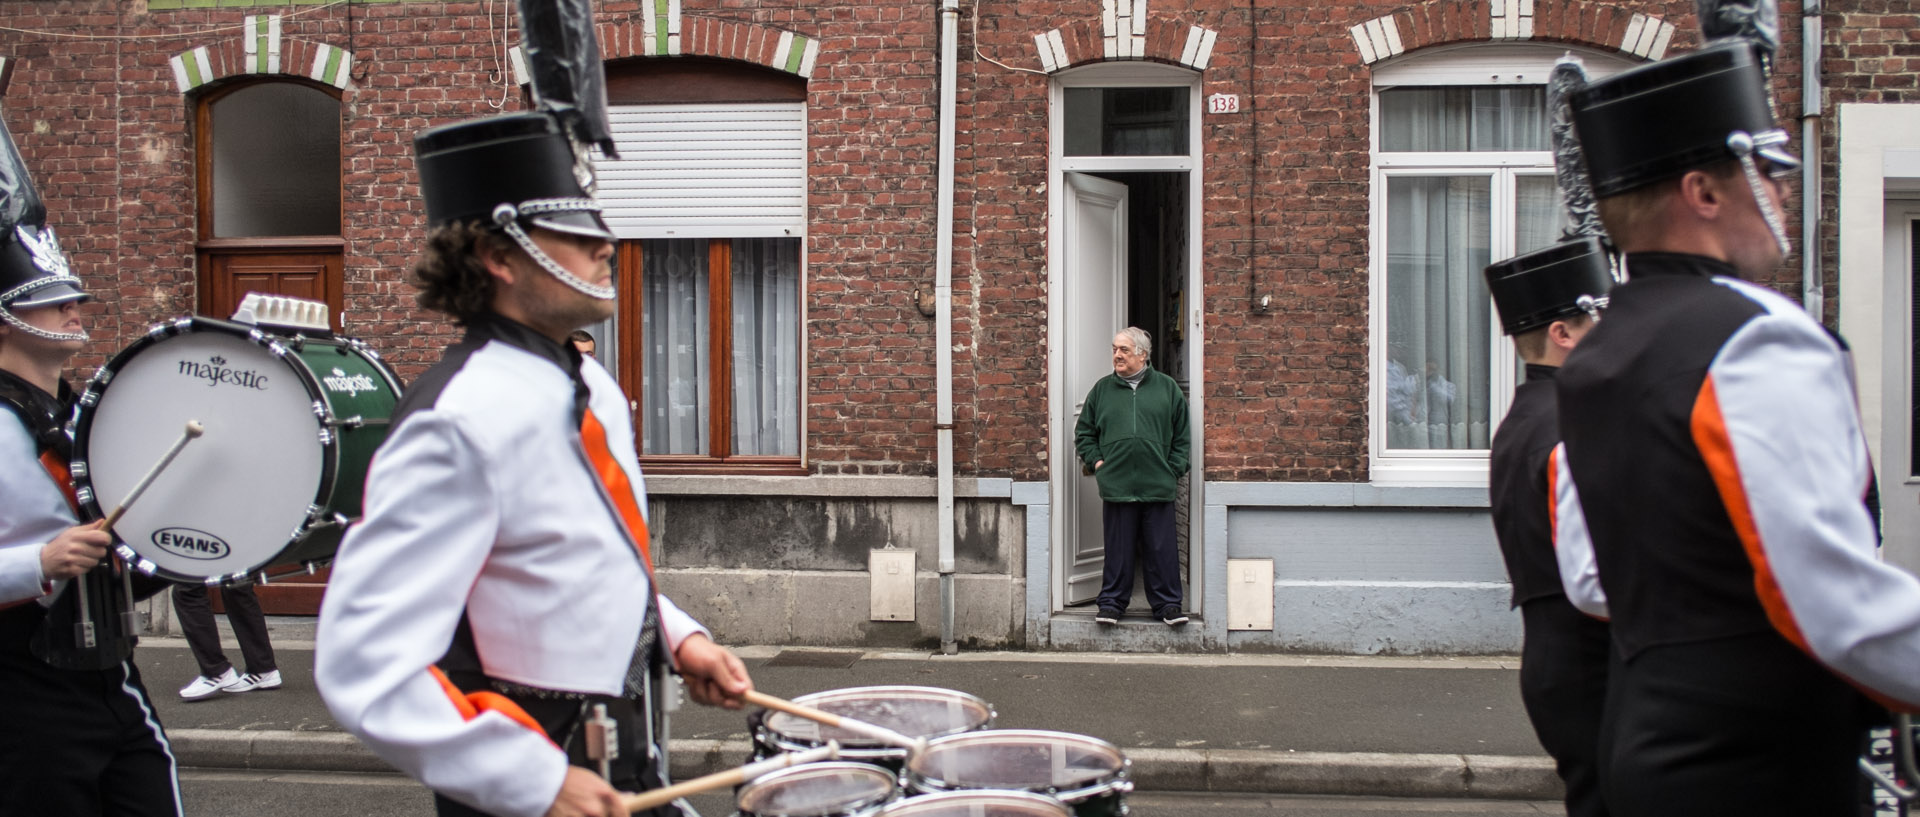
<point x="1140" y="433"/>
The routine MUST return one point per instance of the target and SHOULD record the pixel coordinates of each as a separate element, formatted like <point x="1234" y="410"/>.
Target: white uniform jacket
<point x="481" y="503"/>
<point x="32" y="510"/>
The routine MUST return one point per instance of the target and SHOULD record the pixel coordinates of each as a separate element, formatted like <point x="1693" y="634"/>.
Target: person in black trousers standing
<point x="193" y="605"/>
<point x="1563" y="665"/>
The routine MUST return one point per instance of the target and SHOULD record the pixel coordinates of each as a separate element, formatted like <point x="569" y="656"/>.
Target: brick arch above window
<point x="1434" y="22"/>
<point x="261" y="50"/>
<point x="669" y="34"/>
<point x="1125" y="32"/>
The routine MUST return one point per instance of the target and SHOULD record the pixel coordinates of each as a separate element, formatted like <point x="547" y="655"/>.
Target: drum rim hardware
<point x="866" y="747"/>
<point x="807" y="770"/>
<point x="1120" y="783"/>
<point x="329" y="424"/>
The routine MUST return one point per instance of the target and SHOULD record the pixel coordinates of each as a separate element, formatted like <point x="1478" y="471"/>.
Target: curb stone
<point x="1493" y="777"/>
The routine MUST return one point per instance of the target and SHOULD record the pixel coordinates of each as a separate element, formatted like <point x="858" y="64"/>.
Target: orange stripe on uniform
<point x="1716" y="448"/>
<point x="1553" y="497"/>
<point x="471" y="704"/>
<point x="611" y="475"/>
<point x="61" y="477"/>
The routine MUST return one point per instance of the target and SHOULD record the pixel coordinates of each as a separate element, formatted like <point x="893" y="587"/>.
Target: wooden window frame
<point x="720" y="459"/>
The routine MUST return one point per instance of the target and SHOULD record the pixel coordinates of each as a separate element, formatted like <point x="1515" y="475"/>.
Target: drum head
<point x="818" y="790"/>
<point x="978" y="804"/>
<point x="918" y="712"/>
<point x="232" y="498"/>
<point x="1029" y="760"/>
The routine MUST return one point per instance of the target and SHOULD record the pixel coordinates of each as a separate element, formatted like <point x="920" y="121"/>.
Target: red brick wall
<point x="1285" y="196"/>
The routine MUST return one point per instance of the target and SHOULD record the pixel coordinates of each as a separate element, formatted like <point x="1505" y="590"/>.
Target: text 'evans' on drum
<point x="1086" y="773"/>
<point x="914" y="711"/>
<point x="291" y="425"/>
<point x="983" y="803"/>
<point x="838" y="789"/>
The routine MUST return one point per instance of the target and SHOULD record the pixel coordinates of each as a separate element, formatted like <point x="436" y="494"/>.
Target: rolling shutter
<point x="690" y="171"/>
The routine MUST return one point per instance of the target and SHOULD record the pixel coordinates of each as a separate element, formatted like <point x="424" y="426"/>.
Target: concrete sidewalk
<point x="1383" y="726"/>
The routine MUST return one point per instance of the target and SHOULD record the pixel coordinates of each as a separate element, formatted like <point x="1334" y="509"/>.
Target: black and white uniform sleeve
<point x="1777" y="425"/>
<point x="32" y="513"/>
<point x="1572" y="540"/>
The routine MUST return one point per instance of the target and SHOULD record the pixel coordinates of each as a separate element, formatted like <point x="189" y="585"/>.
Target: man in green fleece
<point x="1133" y="435"/>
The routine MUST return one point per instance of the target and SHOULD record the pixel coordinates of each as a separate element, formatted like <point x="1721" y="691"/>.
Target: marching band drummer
<point x="1564" y="653"/>
<point x="498" y="589"/>
<point x="80" y="735"/>
<point x="1710" y="490"/>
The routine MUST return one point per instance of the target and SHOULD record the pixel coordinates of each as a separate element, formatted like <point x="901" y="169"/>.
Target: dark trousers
<point x="81" y="742"/>
<point x="1563" y="682"/>
<point x="194" y="607"/>
<point x="1746" y="725"/>
<point x="1141" y="531"/>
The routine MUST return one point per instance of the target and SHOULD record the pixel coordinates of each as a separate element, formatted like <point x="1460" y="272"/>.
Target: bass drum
<point x="291" y="425"/>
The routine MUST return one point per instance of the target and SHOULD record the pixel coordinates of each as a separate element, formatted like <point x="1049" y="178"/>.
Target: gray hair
<point x="1142" y="342"/>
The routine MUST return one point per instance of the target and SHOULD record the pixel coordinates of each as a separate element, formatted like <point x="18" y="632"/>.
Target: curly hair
<point x="450" y="275"/>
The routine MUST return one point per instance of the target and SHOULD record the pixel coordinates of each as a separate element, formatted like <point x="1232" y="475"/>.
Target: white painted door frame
<point x="1060" y="457"/>
<point x="1899" y="488"/>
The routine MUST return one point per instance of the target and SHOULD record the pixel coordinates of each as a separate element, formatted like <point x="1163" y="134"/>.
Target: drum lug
<point x="312" y="567"/>
<point x="77" y="469"/>
<point x="326" y="437"/>
<point x="260" y="578"/>
<point x="84" y="494"/>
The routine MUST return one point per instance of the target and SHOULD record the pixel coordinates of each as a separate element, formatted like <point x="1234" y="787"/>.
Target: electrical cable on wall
<point x="498" y="47"/>
<point x="975" y="15"/>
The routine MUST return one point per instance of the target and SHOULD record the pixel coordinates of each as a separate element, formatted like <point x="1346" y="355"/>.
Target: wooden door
<point x="306" y="272"/>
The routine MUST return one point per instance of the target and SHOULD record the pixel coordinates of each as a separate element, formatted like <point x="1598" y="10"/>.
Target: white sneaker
<point x="204" y="686"/>
<point x="250" y="682"/>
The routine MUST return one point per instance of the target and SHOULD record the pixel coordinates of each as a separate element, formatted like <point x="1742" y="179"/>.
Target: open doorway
<point x="1125" y="253"/>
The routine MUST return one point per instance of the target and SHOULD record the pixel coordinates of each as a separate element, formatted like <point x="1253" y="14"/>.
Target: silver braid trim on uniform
<point x="7" y="315"/>
<point x="507" y="216"/>
<point x="1741" y="143"/>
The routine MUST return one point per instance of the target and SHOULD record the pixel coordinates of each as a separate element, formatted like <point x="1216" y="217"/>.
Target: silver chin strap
<point x="508" y="216"/>
<point x="1591" y="305"/>
<point x="1742" y="145"/>
<point x="58" y="337"/>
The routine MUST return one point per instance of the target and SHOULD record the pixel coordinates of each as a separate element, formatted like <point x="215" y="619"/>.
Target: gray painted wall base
<point x="829" y="608"/>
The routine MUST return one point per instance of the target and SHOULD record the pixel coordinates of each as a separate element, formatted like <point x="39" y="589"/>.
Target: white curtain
<point x="766" y="346"/>
<point x="1438" y="360"/>
<point x="1439" y="240"/>
<point x="673" y="383"/>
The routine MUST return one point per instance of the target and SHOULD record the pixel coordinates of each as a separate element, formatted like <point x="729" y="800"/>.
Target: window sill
<point x="733" y="466"/>
<point x="1415" y="472"/>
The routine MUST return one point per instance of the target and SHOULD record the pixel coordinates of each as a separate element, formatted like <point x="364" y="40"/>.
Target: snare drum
<point x="291" y="425"/>
<point x="837" y="789"/>
<point x="984" y="803"/>
<point x="919" y="712"/>
<point x="1088" y="774"/>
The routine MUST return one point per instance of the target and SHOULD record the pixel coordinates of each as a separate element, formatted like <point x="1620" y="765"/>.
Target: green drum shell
<point x="343" y="369"/>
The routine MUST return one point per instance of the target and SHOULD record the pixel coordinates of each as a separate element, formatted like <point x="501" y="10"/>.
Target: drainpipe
<point x="1812" y="291"/>
<point x="943" y="312"/>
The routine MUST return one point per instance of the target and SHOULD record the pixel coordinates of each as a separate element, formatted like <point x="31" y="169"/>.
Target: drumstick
<point x="193" y="431"/>
<point x="734" y="777"/>
<point x="880" y="733"/>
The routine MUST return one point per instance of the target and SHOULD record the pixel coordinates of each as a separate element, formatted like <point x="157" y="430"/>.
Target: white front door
<point x="1095" y="297"/>
<point x="1899" y="467"/>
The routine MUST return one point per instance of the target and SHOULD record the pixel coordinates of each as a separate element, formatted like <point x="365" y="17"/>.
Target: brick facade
<point x="1285" y="246"/>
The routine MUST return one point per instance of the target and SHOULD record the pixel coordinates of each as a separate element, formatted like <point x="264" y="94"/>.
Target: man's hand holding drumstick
<point x="713" y="674"/>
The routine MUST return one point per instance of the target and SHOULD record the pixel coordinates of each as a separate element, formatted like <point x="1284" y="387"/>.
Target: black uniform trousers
<point x="78" y="741"/>
<point x="1747" y="725"/>
<point x="193" y="604"/>
<point x="1563" y="682"/>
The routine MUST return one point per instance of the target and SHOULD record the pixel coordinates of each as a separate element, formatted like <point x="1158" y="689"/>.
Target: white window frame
<point x="1506" y="64"/>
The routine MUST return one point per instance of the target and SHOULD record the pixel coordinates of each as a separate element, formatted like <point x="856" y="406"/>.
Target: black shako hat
<point x="33" y="270"/>
<point x="1658" y="121"/>
<point x="1543" y="286"/>
<point x="469" y="170"/>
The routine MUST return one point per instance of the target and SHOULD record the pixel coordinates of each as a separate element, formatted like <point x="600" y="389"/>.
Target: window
<point x="709" y="199"/>
<point x="268" y="171"/>
<point x="1463" y="176"/>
